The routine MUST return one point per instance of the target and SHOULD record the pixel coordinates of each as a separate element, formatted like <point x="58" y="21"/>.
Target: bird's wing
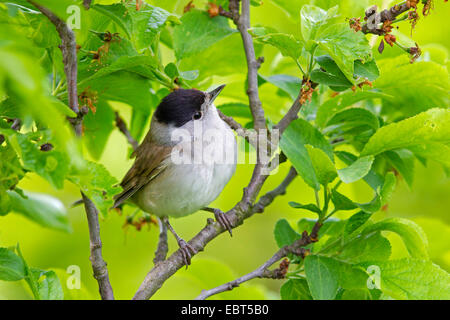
<point x="149" y="163"/>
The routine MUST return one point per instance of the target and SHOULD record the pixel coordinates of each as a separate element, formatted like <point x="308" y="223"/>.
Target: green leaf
<point x="287" y="44"/>
<point x="426" y="128"/>
<point x="322" y="277"/>
<point x="42" y="209"/>
<point x="297" y="135"/>
<point x="355" y="221"/>
<point x="373" y="179"/>
<point x="148" y="22"/>
<point x="413" y="87"/>
<point x="414" y="279"/>
<point x="337" y="83"/>
<point x="52" y="165"/>
<point x="390" y="182"/>
<point x="373" y="247"/>
<point x="323" y="166"/>
<point x="313" y="19"/>
<point x="310" y="207"/>
<point x="353" y="119"/>
<point x="49" y="286"/>
<point x="295" y="289"/>
<point x="403" y="162"/>
<point x="412" y="235"/>
<point x="197" y="32"/>
<point x="97" y="183"/>
<point x="341" y="202"/>
<point x="341" y="101"/>
<point x="368" y="70"/>
<point x="289" y="84"/>
<point x="284" y="234"/>
<point x="331" y="227"/>
<point x="98" y="127"/>
<point x="11" y="266"/>
<point x="345" y="46"/>
<point x="119" y="14"/>
<point x="357" y="170"/>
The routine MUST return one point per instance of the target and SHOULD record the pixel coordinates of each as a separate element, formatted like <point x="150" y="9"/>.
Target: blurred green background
<point x="129" y="253"/>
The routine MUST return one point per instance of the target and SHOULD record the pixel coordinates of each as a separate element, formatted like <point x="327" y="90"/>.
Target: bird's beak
<point x="214" y="93"/>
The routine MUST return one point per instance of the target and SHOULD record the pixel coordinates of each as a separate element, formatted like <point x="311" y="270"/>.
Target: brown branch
<point x="242" y="22"/>
<point x="385" y="15"/>
<point x="69" y="51"/>
<point x="236" y="126"/>
<point x="263" y="271"/>
<point x="163" y="247"/>
<point x="268" y="198"/>
<point x="290" y="116"/>
<point x="120" y="123"/>
<point x="98" y="264"/>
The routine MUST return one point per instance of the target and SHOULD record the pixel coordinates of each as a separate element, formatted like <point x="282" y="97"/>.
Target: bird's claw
<point x="187" y="251"/>
<point x="223" y="220"/>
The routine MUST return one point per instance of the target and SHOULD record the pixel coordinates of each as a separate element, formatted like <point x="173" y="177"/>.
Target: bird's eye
<point x="197" y="116"/>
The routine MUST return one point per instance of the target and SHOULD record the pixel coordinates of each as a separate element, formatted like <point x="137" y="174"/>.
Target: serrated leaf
<point x="297" y="135"/>
<point x="41" y="208"/>
<point x="341" y="101"/>
<point x="313" y="19"/>
<point x="341" y="202"/>
<point x="373" y="247"/>
<point x="323" y="166"/>
<point x="412" y="235"/>
<point x="322" y="277"/>
<point x="284" y="234"/>
<point x="427" y="127"/>
<point x="373" y="179"/>
<point x="414" y="87"/>
<point x="11" y="266"/>
<point x="355" y="221"/>
<point x="413" y="279"/>
<point x="97" y="183"/>
<point x="344" y="46"/>
<point x="295" y="289"/>
<point x="287" y="44"/>
<point x="197" y="32"/>
<point x="352" y="119"/>
<point x="357" y="170"/>
<point x="49" y="286"/>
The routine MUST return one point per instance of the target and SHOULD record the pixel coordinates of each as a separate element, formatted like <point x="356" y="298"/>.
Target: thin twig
<point x="268" y="198"/>
<point x="242" y="22"/>
<point x="385" y="15"/>
<point x="120" y="123"/>
<point x="263" y="272"/>
<point x="236" y="126"/>
<point x="163" y="247"/>
<point x="98" y="264"/>
<point x="69" y="51"/>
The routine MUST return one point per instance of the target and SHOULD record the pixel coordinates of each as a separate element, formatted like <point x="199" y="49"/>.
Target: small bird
<point x="167" y="178"/>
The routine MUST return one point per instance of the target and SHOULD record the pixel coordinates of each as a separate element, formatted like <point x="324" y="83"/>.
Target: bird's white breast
<point x="184" y="188"/>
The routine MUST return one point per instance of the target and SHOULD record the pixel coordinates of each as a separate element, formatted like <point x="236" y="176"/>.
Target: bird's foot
<point x="187" y="251"/>
<point x="222" y="219"/>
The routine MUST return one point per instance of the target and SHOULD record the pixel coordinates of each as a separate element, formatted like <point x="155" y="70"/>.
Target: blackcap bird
<point x="184" y="162"/>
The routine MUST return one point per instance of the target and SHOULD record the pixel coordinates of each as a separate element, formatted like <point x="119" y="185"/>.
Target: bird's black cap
<point x="179" y="106"/>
